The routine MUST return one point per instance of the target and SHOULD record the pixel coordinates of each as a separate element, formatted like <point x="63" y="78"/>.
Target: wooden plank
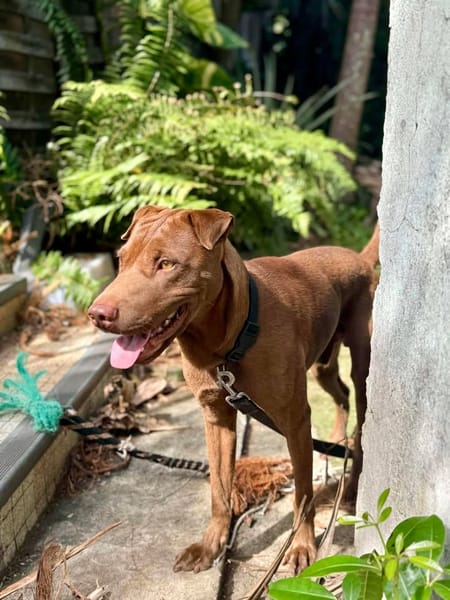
<point x="24" y="43"/>
<point x="85" y="23"/>
<point x="22" y="7"/>
<point x="23" y="120"/>
<point x="26" y="82"/>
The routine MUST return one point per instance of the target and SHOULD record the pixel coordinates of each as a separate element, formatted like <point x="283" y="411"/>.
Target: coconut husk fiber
<point x="256" y="478"/>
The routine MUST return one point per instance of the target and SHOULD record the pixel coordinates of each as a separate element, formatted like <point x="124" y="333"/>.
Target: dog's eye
<point x="166" y="264"/>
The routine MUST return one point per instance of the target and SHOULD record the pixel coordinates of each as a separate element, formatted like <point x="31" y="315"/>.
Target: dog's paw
<point x="299" y="556"/>
<point x="195" y="557"/>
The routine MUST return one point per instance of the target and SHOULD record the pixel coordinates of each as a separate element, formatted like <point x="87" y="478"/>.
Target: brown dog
<point x="180" y="277"/>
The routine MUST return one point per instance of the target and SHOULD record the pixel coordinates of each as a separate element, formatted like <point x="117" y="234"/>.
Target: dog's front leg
<point x="220" y="429"/>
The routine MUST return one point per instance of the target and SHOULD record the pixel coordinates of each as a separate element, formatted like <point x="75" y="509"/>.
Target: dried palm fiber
<point x="257" y="477"/>
<point x="52" y="555"/>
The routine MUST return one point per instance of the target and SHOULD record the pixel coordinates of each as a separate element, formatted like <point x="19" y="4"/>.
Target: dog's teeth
<point x="166" y="322"/>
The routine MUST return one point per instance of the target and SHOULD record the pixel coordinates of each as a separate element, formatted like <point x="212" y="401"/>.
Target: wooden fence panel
<point x="27" y="65"/>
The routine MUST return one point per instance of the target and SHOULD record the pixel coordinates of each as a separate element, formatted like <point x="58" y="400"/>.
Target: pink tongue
<point x="125" y="350"/>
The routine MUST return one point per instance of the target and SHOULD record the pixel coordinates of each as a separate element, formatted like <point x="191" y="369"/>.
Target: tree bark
<point x="406" y="437"/>
<point x="355" y="69"/>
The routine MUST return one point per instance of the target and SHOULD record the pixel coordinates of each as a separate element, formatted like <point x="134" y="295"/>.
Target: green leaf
<point x="337" y="564"/>
<point x="442" y="588"/>
<point x="382" y="499"/>
<point x="199" y="13"/>
<point x="349" y="520"/>
<point x="426" y="563"/>
<point x="385" y="514"/>
<point x="423" y="593"/>
<point x="295" y="587"/>
<point x="229" y="39"/>
<point x="351" y="586"/>
<point x="409" y="579"/>
<point x="371" y="585"/>
<point x="399" y="543"/>
<point x="421" y="546"/>
<point x="418" y="529"/>
<point x="390" y="568"/>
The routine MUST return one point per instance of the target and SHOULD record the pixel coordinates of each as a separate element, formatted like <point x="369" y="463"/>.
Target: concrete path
<point x="162" y="511"/>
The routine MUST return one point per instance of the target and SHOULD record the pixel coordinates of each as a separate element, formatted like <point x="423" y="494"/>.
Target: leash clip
<point x="125" y="447"/>
<point x="226" y="380"/>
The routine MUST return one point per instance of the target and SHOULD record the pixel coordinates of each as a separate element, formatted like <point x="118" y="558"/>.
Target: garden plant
<point x="407" y="568"/>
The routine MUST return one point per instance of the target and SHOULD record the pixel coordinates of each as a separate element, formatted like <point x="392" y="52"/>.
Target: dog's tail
<point x="371" y="251"/>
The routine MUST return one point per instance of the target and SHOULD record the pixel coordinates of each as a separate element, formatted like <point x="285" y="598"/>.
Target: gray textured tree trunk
<point x="406" y="437"/>
<point x="355" y="68"/>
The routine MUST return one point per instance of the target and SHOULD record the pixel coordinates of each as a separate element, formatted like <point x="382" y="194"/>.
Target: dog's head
<point x="169" y="271"/>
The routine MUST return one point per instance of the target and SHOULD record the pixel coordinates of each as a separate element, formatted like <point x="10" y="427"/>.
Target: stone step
<point x="13" y="293"/>
<point x="31" y="463"/>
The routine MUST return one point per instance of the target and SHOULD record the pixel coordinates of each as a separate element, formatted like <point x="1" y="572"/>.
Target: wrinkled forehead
<point x="168" y="229"/>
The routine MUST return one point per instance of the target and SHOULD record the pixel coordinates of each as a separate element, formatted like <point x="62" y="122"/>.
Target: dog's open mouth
<point x="144" y="347"/>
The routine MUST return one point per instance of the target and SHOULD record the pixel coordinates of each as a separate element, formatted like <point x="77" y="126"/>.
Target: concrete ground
<point x="161" y="511"/>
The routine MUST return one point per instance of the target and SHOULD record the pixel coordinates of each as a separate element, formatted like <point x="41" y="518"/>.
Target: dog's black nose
<point x="102" y="315"/>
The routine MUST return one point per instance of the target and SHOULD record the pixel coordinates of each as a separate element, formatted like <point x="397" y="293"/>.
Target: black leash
<point x="244" y="404"/>
<point x="95" y="434"/>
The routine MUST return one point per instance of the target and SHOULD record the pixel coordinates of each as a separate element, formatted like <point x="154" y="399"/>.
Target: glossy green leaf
<point x="385" y="514"/>
<point x="382" y="499"/>
<point x="399" y="543"/>
<point x="390" y="568"/>
<point x="294" y="588"/>
<point x="371" y="586"/>
<point x="442" y="588"/>
<point x="337" y="564"/>
<point x="421" y="546"/>
<point x="426" y="563"/>
<point x="351" y="586"/>
<point x="418" y="529"/>
<point x="424" y="593"/>
<point x="407" y="583"/>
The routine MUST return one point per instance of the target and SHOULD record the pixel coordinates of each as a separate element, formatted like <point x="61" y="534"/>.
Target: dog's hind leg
<point x="296" y="426"/>
<point x="358" y="340"/>
<point x="326" y="372"/>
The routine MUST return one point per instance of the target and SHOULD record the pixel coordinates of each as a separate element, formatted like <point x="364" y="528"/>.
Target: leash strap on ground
<point x="75" y="422"/>
<point x="244" y="404"/>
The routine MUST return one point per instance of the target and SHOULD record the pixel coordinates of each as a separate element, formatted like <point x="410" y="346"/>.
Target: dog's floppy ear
<point x="141" y="212"/>
<point x="210" y="225"/>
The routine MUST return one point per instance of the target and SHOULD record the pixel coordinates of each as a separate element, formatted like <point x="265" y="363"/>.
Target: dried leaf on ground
<point x="148" y="390"/>
<point x="121" y="415"/>
<point x="54" y="320"/>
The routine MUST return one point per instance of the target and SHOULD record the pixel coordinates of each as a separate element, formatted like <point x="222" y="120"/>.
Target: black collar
<point x="249" y="332"/>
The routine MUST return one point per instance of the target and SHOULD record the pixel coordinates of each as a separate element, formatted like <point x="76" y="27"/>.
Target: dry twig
<point x="264" y="581"/>
<point x="31" y="578"/>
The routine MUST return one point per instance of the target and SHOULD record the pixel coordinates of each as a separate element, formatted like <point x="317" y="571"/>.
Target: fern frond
<point x="79" y="285"/>
<point x="226" y="152"/>
<point x="71" y="50"/>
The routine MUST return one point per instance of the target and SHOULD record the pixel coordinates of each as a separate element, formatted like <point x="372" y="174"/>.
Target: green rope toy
<point x="24" y="395"/>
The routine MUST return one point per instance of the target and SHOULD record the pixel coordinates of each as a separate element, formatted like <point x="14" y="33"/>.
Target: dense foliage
<point x="158" y="42"/>
<point x="120" y="149"/>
